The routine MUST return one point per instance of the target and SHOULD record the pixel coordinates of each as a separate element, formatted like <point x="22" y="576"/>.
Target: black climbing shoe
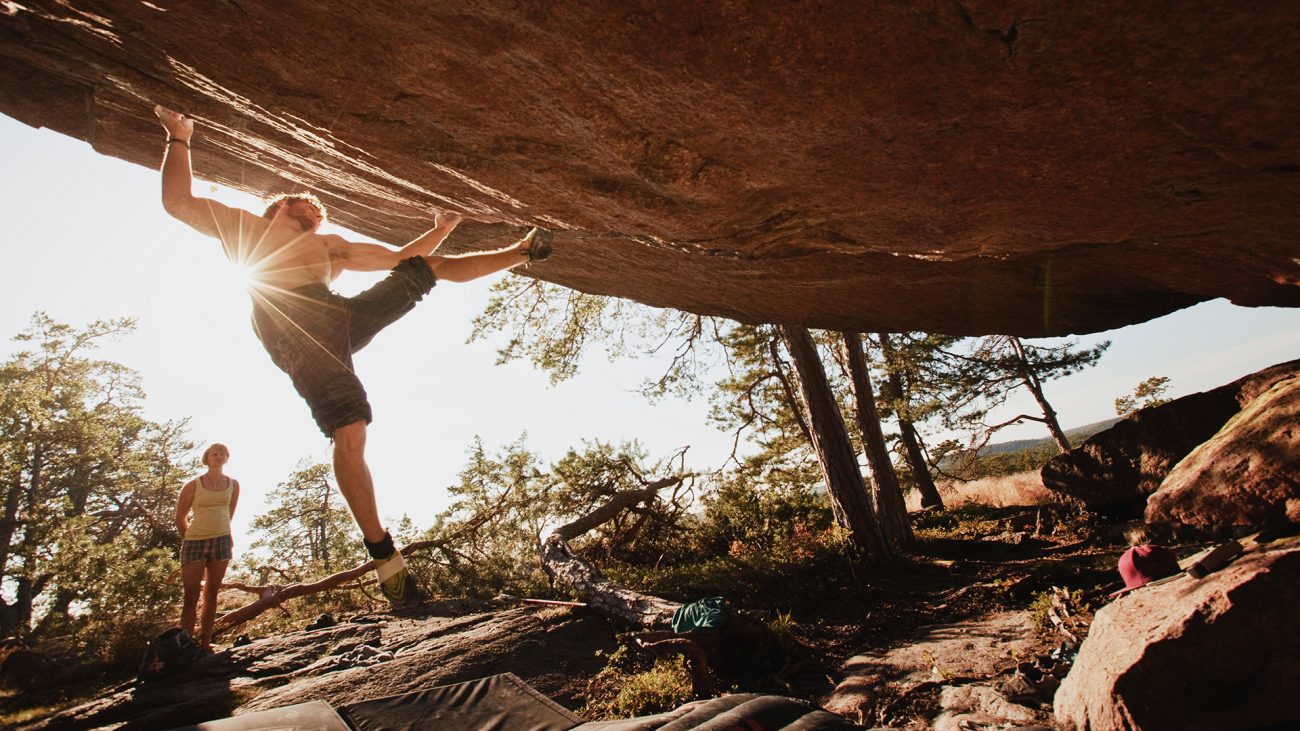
<point x="538" y="244"/>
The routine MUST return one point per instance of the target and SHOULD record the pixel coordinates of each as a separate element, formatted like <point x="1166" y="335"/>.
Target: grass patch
<point x="1021" y="488"/>
<point x="18" y="707"/>
<point x="634" y="684"/>
<point x="969" y="521"/>
<point x="819" y="568"/>
<point x="663" y="687"/>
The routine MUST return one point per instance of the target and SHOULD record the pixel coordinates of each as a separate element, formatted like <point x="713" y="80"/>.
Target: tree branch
<point x="273" y="595"/>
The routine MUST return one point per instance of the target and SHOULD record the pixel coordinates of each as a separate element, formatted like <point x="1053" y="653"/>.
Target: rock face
<point x="1247" y="475"/>
<point x="966" y="650"/>
<point x="960" y="167"/>
<point x="1218" y="654"/>
<point x="1116" y="470"/>
<point x="549" y="649"/>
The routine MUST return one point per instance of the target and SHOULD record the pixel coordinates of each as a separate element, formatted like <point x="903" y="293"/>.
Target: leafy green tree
<point x="550" y="326"/>
<point x="762" y="394"/>
<point x="486" y="541"/>
<point x="85" y="482"/>
<point x="307" y="529"/>
<point x="123" y="587"/>
<point x="1148" y="393"/>
<point x="588" y="479"/>
<point x="913" y="392"/>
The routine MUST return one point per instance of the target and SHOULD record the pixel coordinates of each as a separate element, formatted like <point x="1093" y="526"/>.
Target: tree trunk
<point x="270" y="596"/>
<point x="930" y="497"/>
<point x="8" y="525"/>
<point x="830" y="440"/>
<point x="907" y="431"/>
<point x="891" y="510"/>
<point x="1035" y="386"/>
<point x="57" y="610"/>
<point x="273" y="595"/>
<point x="324" y="534"/>
<point x="601" y="593"/>
<point x="16" y="618"/>
<point x="791" y="400"/>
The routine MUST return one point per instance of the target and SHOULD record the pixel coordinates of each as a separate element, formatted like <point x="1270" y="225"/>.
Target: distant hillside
<point x="1075" y="435"/>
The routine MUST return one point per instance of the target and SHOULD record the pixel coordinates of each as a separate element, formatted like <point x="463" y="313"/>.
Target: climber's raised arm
<point x="203" y="214"/>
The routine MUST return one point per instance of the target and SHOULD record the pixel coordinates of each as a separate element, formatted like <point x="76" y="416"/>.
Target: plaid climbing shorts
<point x="311" y="334"/>
<point x="221" y="548"/>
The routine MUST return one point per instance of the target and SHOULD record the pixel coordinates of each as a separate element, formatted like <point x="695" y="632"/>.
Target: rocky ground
<point x="949" y="630"/>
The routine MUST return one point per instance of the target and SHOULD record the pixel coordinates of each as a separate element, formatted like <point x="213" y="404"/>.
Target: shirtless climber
<point x="311" y="332"/>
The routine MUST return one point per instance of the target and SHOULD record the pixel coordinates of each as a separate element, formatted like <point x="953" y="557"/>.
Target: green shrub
<point x="661" y="688"/>
<point x="809" y="565"/>
<point x="741" y="516"/>
<point x="1041" y="606"/>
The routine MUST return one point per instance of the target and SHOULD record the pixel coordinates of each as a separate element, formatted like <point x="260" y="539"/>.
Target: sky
<point x="86" y="238"/>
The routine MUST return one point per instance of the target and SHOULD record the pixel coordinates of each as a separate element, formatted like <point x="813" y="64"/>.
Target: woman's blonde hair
<point x="211" y="447"/>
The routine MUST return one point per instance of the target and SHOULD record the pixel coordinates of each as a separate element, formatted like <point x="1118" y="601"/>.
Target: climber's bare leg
<point x="467" y="267"/>
<point x="355" y="483"/>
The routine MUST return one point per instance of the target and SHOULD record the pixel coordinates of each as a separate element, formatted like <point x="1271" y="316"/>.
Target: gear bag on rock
<point x="169" y="653"/>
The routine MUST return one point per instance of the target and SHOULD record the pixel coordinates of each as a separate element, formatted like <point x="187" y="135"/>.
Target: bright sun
<point x="237" y="276"/>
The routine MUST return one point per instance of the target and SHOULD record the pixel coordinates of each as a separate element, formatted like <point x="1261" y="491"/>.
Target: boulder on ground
<point x="1220" y="653"/>
<point x="1115" y="471"/>
<point x="1246" y="476"/>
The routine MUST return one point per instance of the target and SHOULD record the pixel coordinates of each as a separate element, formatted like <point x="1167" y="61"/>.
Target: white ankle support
<point x="387" y="569"/>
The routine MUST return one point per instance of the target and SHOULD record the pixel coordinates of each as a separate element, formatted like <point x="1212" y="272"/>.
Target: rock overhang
<point x="967" y="168"/>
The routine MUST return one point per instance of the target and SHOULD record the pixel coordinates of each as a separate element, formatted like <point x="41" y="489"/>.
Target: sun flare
<point x="239" y="276"/>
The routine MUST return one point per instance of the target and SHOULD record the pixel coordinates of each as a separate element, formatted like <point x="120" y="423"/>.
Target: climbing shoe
<point x="538" y="244"/>
<point x="395" y="582"/>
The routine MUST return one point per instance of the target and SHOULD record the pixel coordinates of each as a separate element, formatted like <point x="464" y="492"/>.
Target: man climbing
<point x="311" y="332"/>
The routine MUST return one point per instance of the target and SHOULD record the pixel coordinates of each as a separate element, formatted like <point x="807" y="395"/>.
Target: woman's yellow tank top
<point x="211" y="510"/>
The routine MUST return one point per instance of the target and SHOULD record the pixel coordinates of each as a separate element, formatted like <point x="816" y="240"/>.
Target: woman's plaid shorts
<point x="221" y="548"/>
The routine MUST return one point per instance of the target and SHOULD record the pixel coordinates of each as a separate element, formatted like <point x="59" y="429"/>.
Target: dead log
<point x="559" y="561"/>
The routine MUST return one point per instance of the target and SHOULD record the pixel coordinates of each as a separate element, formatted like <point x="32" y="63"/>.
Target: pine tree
<point x="87" y="485"/>
<point x="307" y="530"/>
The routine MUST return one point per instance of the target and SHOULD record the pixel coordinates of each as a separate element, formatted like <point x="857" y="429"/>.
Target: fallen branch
<point x="666" y="644"/>
<point x="270" y="596"/>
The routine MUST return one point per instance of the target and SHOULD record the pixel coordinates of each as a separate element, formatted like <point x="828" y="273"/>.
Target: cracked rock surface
<point x="367" y="657"/>
<point x="960" y="167"/>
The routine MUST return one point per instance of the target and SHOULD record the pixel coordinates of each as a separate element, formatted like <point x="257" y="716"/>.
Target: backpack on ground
<point x="169" y="653"/>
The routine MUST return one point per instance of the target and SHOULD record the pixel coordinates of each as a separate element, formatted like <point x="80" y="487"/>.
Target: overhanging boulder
<point x="967" y="168"/>
<point x="1218" y="654"/>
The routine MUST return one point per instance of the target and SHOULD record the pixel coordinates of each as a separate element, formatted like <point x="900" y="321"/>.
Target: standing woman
<point x="207" y="548"/>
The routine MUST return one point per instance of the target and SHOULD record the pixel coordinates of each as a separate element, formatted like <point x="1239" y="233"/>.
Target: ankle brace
<point x="382" y="549"/>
